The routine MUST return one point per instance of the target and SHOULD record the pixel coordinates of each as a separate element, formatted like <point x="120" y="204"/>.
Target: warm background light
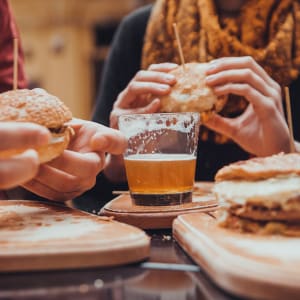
<point x="65" y="44"/>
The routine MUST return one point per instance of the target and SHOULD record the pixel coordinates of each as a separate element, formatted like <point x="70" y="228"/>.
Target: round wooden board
<point x="159" y="217"/>
<point x="39" y="236"/>
<point x="248" y="265"/>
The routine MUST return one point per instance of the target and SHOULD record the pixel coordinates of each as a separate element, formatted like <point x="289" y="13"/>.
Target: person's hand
<point x="139" y="97"/>
<point x="20" y="168"/>
<point x="134" y="99"/>
<point x="261" y="129"/>
<point x="76" y="169"/>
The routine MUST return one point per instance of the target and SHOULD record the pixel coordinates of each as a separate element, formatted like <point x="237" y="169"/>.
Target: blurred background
<point x="66" y="42"/>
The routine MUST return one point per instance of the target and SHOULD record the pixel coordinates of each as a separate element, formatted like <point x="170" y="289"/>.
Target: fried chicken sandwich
<point x="261" y="195"/>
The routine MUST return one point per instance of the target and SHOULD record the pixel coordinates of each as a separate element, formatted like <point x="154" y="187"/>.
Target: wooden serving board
<point x="158" y="217"/>
<point x="38" y="236"/>
<point x="248" y="265"/>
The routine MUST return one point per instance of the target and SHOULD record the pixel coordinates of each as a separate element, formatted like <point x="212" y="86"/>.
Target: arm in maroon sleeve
<point x="9" y="31"/>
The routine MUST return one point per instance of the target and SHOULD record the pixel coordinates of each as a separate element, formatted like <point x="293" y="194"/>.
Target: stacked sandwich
<point x="261" y="195"/>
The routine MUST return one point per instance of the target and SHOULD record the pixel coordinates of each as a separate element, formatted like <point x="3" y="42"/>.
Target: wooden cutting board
<point x="258" y="267"/>
<point x="38" y="236"/>
<point x="158" y="217"/>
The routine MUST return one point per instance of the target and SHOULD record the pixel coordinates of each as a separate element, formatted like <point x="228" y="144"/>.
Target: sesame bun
<point x="190" y="93"/>
<point x="37" y="106"/>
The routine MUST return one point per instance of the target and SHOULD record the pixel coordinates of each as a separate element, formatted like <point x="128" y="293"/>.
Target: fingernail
<point x="211" y="65"/>
<point x="210" y="78"/>
<point x="173" y="65"/>
<point x="169" y="77"/>
<point x="163" y="87"/>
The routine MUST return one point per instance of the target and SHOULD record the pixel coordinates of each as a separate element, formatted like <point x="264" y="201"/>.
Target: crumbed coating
<point x="35" y="106"/>
<point x="245" y="225"/>
<point x="261" y="168"/>
<point x="190" y="93"/>
<point x="262" y="213"/>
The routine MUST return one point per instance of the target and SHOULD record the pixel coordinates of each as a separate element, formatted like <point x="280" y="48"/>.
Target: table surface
<point x="168" y="274"/>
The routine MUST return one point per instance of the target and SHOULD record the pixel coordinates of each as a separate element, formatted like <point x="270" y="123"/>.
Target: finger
<point x="45" y="191"/>
<point x="81" y="165"/>
<point x="150" y="108"/>
<point x="163" y="67"/>
<point x="227" y="63"/>
<point x="239" y="76"/>
<point x="135" y="88"/>
<point x="76" y="123"/>
<point x="152" y="76"/>
<point x="109" y="140"/>
<point x="56" y="184"/>
<point x="18" y="169"/>
<point x="261" y="104"/>
<point x="222" y="125"/>
<point x="16" y="135"/>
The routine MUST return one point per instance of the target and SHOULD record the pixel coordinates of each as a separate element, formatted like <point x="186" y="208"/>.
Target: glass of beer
<point x="160" y="159"/>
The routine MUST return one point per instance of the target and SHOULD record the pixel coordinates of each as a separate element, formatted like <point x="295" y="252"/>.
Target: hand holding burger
<point x="262" y="129"/>
<point x="75" y="171"/>
<point x="191" y="93"/>
<point x="74" y="150"/>
<point x="38" y="107"/>
<point x="25" y="119"/>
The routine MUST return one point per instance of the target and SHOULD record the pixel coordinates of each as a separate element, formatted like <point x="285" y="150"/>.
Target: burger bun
<point x="190" y="93"/>
<point x="39" y="107"/>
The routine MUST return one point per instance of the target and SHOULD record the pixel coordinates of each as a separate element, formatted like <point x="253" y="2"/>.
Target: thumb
<point x="221" y="125"/>
<point x="151" y="108"/>
<point x="18" y="169"/>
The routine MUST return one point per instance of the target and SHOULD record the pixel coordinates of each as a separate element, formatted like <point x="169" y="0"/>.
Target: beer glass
<point x="160" y="159"/>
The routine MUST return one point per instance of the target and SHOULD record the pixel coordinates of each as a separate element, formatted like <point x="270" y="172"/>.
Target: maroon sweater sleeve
<point x="9" y="31"/>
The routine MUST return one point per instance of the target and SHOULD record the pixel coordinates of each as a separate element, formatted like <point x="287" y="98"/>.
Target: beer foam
<point x="132" y="125"/>
<point x="160" y="157"/>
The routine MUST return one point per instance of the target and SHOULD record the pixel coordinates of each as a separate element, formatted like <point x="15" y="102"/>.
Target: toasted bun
<point x="190" y="93"/>
<point x="261" y="168"/>
<point x="37" y="106"/>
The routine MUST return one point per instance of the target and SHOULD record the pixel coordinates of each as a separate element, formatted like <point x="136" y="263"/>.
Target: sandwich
<point x="190" y="93"/>
<point x="37" y="106"/>
<point x="261" y="195"/>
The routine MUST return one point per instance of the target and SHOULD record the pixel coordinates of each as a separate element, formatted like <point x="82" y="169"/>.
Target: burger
<point x="190" y="93"/>
<point x="39" y="107"/>
<point x="261" y="195"/>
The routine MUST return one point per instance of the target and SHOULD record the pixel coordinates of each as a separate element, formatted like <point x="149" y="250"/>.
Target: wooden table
<point x="168" y="274"/>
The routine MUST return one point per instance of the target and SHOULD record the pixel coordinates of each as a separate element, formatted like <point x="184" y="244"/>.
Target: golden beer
<point x="158" y="177"/>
